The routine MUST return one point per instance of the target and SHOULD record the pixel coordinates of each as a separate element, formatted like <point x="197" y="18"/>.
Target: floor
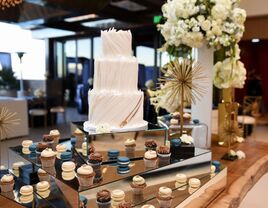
<point x="255" y="198"/>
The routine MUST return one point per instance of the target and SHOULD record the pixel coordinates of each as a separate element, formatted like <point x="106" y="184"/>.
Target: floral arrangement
<point x="103" y="128"/>
<point x="217" y="23"/>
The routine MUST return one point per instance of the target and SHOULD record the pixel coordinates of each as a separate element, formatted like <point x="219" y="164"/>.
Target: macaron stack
<point x="150" y="144"/>
<point x="150" y="159"/>
<point x="60" y="148"/>
<point x="138" y="185"/>
<point x="194" y="184"/>
<point x="118" y="196"/>
<point x="25" y="146"/>
<point x="181" y="180"/>
<point x="7" y="183"/>
<point x="26" y="193"/>
<point x="163" y="153"/>
<point x="16" y="168"/>
<point x="103" y="198"/>
<point x="48" y="157"/>
<point x="85" y="175"/>
<point x="43" y="189"/>
<point x="43" y="175"/>
<point x="80" y="137"/>
<point x="217" y="165"/>
<point x="164" y="197"/>
<point x="122" y="165"/>
<point x="68" y="171"/>
<point x="113" y="154"/>
<point x="66" y="156"/>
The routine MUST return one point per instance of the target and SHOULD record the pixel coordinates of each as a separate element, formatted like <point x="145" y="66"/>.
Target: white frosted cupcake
<point x="48" y="157"/>
<point x="60" y="149"/>
<point x="42" y="175"/>
<point x="56" y="137"/>
<point x="130" y="145"/>
<point x="138" y="184"/>
<point x="80" y="137"/>
<point x="85" y="175"/>
<point x="7" y="183"/>
<point x="150" y="159"/>
<point x="164" y="197"/>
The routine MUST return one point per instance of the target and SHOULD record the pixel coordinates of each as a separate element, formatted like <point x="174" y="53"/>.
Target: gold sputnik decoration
<point x="9" y="3"/>
<point x="183" y="79"/>
<point x="7" y="119"/>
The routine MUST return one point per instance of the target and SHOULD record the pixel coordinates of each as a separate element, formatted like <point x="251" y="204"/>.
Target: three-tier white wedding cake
<point x="115" y="100"/>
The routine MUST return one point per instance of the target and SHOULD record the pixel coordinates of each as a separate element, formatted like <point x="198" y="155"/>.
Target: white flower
<point x="187" y="139"/>
<point x="206" y="25"/>
<point x="103" y="128"/>
<point x="239" y="16"/>
<point x="240" y="139"/>
<point x="240" y="154"/>
<point x="219" y="11"/>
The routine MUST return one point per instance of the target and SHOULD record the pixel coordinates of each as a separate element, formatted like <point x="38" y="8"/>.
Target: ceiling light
<point x="99" y="23"/>
<point x="255" y="40"/>
<point x="9" y="3"/>
<point x="80" y="18"/>
<point x="129" y="5"/>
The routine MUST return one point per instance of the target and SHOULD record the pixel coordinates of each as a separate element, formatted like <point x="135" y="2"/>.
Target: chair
<point x="38" y="109"/>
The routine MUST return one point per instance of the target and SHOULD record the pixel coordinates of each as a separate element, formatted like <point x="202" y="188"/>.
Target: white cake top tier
<point x="116" y="43"/>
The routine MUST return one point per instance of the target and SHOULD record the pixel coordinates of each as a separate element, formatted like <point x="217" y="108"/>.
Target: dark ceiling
<point x="36" y="14"/>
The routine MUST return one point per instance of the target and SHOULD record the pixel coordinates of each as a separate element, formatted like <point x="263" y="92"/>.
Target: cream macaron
<point x="27" y="143"/>
<point x="181" y="178"/>
<point x="43" y="189"/>
<point x="68" y="170"/>
<point x="194" y="182"/>
<point x="118" y="195"/>
<point x="26" y="194"/>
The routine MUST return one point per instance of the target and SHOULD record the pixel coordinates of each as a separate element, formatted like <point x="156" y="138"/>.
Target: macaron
<point x="32" y="148"/>
<point x="123" y="161"/>
<point x="181" y="178"/>
<point x="117" y="195"/>
<point x="26" y="190"/>
<point x="123" y="169"/>
<point x="66" y="156"/>
<point x="26" y="143"/>
<point x="73" y="140"/>
<point x="194" y="182"/>
<point x="68" y="166"/>
<point x="42" y="186"/>
<point x="113" y="153"/>
<point x="217" y="164"/>
<point x="175" y="142"/>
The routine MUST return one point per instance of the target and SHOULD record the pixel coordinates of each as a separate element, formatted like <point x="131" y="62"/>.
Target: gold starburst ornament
<point x="7" y="119"/>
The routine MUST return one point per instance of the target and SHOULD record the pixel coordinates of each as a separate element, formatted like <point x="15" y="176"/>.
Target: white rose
<point x="239" y="15"/>
<point x="206" y="25"/>
<point x="216" y="30"/>
<point x="219" y="12"/>
<point x="200" y="18"/>
<point x="186" y="139"/>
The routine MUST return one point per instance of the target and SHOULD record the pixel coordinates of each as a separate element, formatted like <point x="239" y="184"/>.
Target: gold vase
<point x="227" y="110"/>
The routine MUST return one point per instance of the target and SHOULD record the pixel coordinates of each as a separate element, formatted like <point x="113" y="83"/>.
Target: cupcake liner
<point x="138" y="190"/>
<point x="85" y="181"/>
<point x="48" y="162"/>
<point x="164" y="203"/>
<point x="150" y="163"/>
<point x="130" y="149"/>
<point x="9" y="195"/>
<point x="7" y="187"/>
<point x="164" y="156"/>
<point x="97" y="169"/>
<point x="44" y="177"/>
<point x="104" y="204"/>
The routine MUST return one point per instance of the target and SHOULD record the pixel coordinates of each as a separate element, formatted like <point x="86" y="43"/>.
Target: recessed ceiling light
<point x="99" y="23"/>
<point x="255" y="40"/>
<point x="129" y="5"/>
<point x="80" y="18"/>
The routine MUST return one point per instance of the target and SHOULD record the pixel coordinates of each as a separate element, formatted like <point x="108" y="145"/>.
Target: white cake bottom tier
<point x="118" y="110"/>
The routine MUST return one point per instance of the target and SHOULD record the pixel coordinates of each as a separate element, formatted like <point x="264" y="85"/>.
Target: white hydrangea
<point x="103" y="128"/>
<point x="238" y="16"/>
<point x="186" y="139"/>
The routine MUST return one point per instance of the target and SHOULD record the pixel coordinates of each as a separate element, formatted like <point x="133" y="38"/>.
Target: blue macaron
<point x="66" y="156"/>
<point x="73" y="140"/>
<point x="123" y="169"/>
<point x="113" y="153"/>
<point x="32" y="148"/>
<point x="217" y="164"/>
<point x="123" y="161"/>
<point x="176" y="142"/>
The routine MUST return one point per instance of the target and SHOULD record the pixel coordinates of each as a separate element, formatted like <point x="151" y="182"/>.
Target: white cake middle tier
<point x="115" y="108"/>
<point x="116" y="73"/>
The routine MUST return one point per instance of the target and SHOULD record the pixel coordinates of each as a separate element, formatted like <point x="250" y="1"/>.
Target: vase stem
<point x="181" y="110"/>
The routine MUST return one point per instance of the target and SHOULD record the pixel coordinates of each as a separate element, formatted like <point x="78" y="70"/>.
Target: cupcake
<point x="173" y="122"/>
<point x="150" y="144"/>
<point x="138" y="184"/>
<point x="85" y="175"/>
<point x="103" y="198"/>
<point x="7" y="183"/>
<point x="60" y="148"/>
<point x="43" y="189"/>
<point x="42" y="175"/>
<point x="95" y="160"/>
<point x="176" y="115"/>
<point x="130" y="145"/>
<point x="26" y="193"/>
<point x="164" y="197"/>
<point x="187" y="118"/>
<point x="80" y="137"/>
<point x="56" y="136"/>
<point x="163" y="153"/>
<point x="40" y="147"/>
<point x="150" y="159"/>
<point x="48" y="157"/>
<point x="125" y="205"/>
<point x="118" y="196"/>
<point x="68" y="170"/>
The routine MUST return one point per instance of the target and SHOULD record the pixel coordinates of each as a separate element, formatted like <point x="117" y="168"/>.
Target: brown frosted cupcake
<point x="95" y="160"/>
<point x="164" y="154"/>
<point x="41" y="146"/>
<point x="7" y="183"/>
<point x="164" y="197"/>
<point x="85" y="175"/>
<point x="138" y="184"/>
<point x="125" y="205"/>
<point x="48" y="157"/>
<point x="150" y="144"/>
<point x="150" y="159"/>
<point x="79" y="135"/>
<point x="103" y="198"/>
